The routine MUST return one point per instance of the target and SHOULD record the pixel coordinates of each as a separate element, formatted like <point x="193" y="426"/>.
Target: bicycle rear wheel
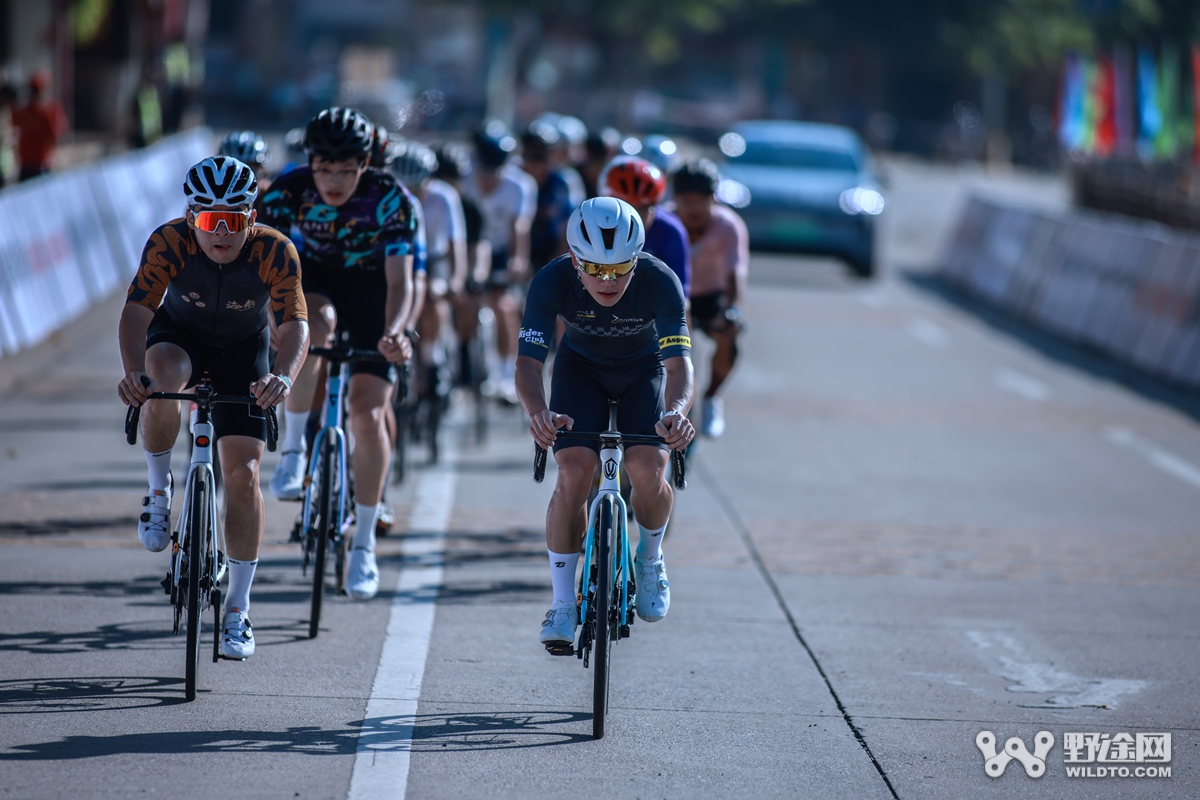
<point x="326" y="519"/>
<point x="196" y="534"/>
<point x="606" y="531"/>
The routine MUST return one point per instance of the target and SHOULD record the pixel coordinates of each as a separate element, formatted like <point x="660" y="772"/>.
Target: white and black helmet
<point x="220" y="181"/>
<point x="605" y="230"/>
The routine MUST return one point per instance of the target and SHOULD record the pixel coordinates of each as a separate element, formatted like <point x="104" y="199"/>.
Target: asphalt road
<point x="922" y="523"/>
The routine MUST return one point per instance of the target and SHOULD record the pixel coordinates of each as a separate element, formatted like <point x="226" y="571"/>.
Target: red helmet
<point x="634" y="180"/>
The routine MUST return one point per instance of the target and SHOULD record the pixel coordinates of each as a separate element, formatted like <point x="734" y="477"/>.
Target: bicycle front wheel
<point x="195" y="537"/>
<point x="602" y="635"/>
<point x="326" y="519"/>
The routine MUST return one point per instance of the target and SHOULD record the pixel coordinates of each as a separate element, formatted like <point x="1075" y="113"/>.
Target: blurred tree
<point x="656" y="26"/>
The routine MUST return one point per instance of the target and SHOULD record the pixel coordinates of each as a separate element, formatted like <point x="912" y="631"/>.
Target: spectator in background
<point x="8" y="158"/>
<point x="40" y="123"/>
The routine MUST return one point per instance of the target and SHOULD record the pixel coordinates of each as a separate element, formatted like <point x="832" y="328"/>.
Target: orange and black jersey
<point x="219" y="304"/>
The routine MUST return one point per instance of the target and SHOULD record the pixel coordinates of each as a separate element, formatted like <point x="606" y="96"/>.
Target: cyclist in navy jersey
<point x="547" y="233"/>
<point x="626" y="339"/>
<point x="359" y="229"/>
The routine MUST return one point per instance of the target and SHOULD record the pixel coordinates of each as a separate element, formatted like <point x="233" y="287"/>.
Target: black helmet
<point x="453" y="162"/>
<point x="414" y="164"/>
<point x="246" y="146"/>
<point x="699" y="176"/>
<point x="493" y="143"/>
<point x="338" y="133"/>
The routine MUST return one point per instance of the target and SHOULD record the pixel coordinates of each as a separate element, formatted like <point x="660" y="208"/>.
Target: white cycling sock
<point x="294" y="423"/>
<point x="241" y="575"/>
<point x="160" y="470"/>
<point x="364" y="535"/>
<point x="509" y="371"/>
<point x="649" y="546"/>
<point x="562" y="575"/>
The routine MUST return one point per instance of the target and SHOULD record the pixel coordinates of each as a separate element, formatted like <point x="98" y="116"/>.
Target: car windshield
<point x="779" y="154"/>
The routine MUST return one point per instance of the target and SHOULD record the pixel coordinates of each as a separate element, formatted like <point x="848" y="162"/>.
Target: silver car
<point x="805" y="187"/>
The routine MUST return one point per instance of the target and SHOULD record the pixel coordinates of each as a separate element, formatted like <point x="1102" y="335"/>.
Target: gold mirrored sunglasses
<point x="607" y="272"/>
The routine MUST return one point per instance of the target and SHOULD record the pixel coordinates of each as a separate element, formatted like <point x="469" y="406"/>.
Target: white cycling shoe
<point x="558" y="628"/>
<point x="237" y="635"/>
<point x="362" y="574"/>
<point x="712" y="417"/>
<point x="653" y="590"/>
<point x="154" y="523"/>
<point x="287" y="482"/>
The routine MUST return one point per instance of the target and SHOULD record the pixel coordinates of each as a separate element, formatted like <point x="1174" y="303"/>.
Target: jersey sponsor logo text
<point x="234" y="305"/>
<point x="619" y="321"/>
<point x="674" y="341"/>
<point x="533" y="337"/>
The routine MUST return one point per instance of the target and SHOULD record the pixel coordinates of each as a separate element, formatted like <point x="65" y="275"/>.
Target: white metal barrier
<point x="69" y="239"/>
<point x="1126" y="287"/>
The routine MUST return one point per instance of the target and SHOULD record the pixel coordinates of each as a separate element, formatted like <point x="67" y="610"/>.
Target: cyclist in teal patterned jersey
<point x="358" y="228"/>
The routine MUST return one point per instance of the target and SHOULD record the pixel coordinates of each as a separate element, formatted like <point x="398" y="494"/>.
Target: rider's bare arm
<point x="543" y="423"/>
<point x="135" y="321"/>
<point x="399" y="273"/>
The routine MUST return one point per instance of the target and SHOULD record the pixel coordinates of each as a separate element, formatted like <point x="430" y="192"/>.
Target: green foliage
<point x="1015" y="35"/>
<point x="89" y="17"/>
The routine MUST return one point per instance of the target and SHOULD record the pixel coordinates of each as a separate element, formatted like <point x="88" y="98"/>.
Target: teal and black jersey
<point x="377" y="221"/>
<point x="648" y="319"/>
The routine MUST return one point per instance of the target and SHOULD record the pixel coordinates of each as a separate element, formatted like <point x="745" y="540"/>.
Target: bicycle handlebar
<point x="678" y="462"/>
<point x="134" y="413"/>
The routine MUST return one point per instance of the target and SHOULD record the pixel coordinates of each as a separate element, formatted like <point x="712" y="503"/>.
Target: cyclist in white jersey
<point x="507" y="198"/>
<point x="445" y="240"/>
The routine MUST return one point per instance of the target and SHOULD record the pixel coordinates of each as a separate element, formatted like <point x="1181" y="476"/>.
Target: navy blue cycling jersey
<point x="376" y="222"/>
<point x="647" y="320"/>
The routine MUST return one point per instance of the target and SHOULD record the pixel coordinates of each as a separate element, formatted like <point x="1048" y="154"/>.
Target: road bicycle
<point x="607" y="583"/>
<point x="328" y="493"/>
<point x="198" y="563"/>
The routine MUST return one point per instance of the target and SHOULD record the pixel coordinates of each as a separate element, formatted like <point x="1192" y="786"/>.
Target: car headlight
<point x="733" y="193"/>
<point x="861" y="201"/>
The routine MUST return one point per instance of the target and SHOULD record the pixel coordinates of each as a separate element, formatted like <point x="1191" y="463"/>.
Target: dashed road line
<point x="1164" y="460"/>
<point x="382" y="760"/>
<point x="1021" y="385"/>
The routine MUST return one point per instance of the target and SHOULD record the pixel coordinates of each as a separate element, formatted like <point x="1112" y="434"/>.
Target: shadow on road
<point x="58" y="695"/>
<point x="1060" y="350"/>
<point x="428" y="732"/>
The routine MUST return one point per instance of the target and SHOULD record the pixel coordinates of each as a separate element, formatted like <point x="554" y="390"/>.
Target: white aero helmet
<point x="220" y="181"/>
<point x="605" y="230"/>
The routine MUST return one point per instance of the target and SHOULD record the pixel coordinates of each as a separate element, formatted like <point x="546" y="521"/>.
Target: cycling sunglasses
<point x="234" y="221"/>
<point x="607" y="272"/>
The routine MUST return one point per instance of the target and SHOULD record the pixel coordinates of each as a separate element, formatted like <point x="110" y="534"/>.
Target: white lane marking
<point x="1021" y="385"/>
<point x="1166" y="461"/>
<point x="928" y="333"/>
<point x="385" y="741"/>
<point x="1061" y="689"/>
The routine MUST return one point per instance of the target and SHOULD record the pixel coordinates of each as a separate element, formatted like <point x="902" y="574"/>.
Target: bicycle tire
<point x="606" y="530"/>
<point x="323" y="522"/>
<point x="198" y="517"/>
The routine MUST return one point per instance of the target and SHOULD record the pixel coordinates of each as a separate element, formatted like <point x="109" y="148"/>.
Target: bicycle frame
<point x="201" y="467"/>
<point x="611" y="453"/>
<point x="331" y="426"/>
